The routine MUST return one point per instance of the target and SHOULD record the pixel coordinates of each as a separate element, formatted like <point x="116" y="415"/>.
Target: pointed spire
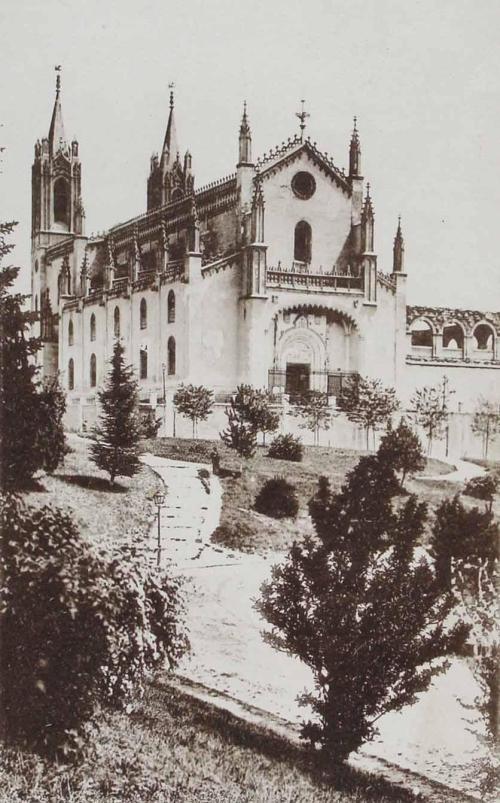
<point x="170" y="148"/>
<point x="398" y="252"/>
<point x="368" y="205"/>
<point x="354" y="153"/>
<point x="245" y="139"/>
<point x="367" y="222"/>
<point x="57" y="137"/>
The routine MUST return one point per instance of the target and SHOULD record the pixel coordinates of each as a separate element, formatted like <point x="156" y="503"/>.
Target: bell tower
<point x="57" y="216"/>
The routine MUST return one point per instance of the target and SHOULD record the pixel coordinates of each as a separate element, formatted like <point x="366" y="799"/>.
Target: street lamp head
<point x="159" y="498"/>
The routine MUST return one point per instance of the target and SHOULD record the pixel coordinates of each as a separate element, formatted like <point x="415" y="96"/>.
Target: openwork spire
<point x="398" y="250"/>
<point x="355" y="153"/>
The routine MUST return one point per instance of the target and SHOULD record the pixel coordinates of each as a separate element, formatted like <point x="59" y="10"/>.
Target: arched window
<point x="36" y="303"/>
<point x="61" y="201"/>
<point x="302" y="242"/>
<point x="453" y="336"/>
<point x="171" y="356"/>
<point x="171" y="307"/>
<point x="71" y="334"/>
<point x="93" y="371"/>
<point x="483" y="337"/>
<point x="92" y="327"/>
<point x="116" y="322"/>
<point x="421" y="333"/>
<point x="143" y="364"/>
<point x="143" y="314"/>
<point x="71" y="374"/>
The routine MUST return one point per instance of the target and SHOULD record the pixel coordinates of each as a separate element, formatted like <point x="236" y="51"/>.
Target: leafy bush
<point x="80" y="629"/>
<point x="286" y="447"/>
<point x="277" y="498"/>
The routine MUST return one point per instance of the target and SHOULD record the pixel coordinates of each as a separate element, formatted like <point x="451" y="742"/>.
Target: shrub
<point x="403" y="450"/>
<point x="286" y="447"/>
<point x="80" y="629"/>
<point x="277" y="498"/>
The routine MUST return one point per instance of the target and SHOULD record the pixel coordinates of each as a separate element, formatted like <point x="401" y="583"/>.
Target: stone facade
<point x="268" y="276"/>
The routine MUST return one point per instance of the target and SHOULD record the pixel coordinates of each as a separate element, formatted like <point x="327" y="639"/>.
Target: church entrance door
<point x="297" y="378"/>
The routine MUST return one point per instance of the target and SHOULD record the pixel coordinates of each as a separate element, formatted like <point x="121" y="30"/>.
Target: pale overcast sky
<point x="422" y="77"/>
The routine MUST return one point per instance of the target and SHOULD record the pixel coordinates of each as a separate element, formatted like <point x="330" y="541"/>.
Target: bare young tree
<point x="486" y="422"/>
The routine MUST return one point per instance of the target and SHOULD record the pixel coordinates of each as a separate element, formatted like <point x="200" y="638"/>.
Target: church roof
<point x="291" y="149"/>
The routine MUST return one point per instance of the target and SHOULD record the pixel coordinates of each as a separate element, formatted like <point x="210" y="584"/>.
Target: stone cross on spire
<point x="302" y="115"/>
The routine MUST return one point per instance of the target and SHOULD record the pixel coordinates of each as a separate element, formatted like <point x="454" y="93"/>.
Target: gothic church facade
<point x="267" y="276"/>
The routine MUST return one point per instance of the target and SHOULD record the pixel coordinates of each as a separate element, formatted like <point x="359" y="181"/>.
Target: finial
<point x="58" y="69"/>
<point x="302" y="115"/>
<point x="355" y="120"/>
<point x="171" y="87"/>
<point x="367" y="189"/>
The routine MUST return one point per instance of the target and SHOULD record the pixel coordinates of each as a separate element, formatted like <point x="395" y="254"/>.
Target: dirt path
<point x="431" y="738"/>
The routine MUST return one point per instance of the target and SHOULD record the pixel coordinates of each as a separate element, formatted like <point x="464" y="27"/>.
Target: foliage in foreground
<point x="369" y="403"/>
<point x="30" y="415"/>
<point x="194" y="402"/>
<point x="277" y="498"/>
<point x="361" y="608"/>
<point x="115" y="447"/>
<point x="80" y="629"/>
<point x="286" y="447"/>
<point x="483" y="488"/>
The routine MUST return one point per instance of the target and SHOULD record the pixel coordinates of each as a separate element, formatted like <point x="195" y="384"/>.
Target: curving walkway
<point x="431" y="738"/>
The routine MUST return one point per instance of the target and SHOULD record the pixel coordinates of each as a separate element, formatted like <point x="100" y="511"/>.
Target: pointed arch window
<point x="302" y="242"/>
<point x="143" y="364"/>
<point x="71" y="334"/>
<point x="171" y="356"/>
<point x="92" y="327"/>
<point x="93" y="371"/>
<point x="61" y="201"/>
<point x="143" y="314"/>
<point x="116" y="322"/>
<point x="171" y="307"/>
<point x="71" y="374"/>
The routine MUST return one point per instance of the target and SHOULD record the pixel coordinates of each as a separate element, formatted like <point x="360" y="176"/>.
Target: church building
<point x="267" y="276"/>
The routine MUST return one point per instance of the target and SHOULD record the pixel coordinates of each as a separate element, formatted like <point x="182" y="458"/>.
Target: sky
<point x="422" y="77"/>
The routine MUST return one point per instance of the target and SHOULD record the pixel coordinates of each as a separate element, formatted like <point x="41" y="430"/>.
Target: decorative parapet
<point x="313" y="281"/>
<point x="386" y="280"/>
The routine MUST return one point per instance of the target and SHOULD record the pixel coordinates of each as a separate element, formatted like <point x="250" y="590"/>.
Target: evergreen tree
<point x="403" y="450"/>
<point x="116" y="438"/>
<point x="244" y="418"/>
<point x="30" y="417"/>
<point x="360" y="609"/>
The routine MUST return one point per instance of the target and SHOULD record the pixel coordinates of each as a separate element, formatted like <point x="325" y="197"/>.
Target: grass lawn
<point x="107" y="517"/>
<point x="176" y="750"/>
<point x="243" y="528"/>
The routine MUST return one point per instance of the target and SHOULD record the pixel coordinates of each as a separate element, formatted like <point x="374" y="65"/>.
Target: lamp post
<point x="159" y="500"/>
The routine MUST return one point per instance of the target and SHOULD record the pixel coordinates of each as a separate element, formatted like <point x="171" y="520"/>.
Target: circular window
<point x="303" y="185"/>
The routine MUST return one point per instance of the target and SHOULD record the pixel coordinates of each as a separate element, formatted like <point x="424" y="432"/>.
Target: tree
<point x="430" y="411"/>
<point x="261" y="413"/>
<point x="316" y="414"/>
<point x="486" y="422"/>
<point x="369" y="403"/>
<point x="194" y="402"/>
<point x="461" y="534"/>
<point x="483" y="488"/>
<point x="81" y="629"/>
<point x="116" y="438"/>
<point x="30" y="417"/>
<point x="403" y="450"/>
<point x="245" y="416"/>
<point x="360" y="609"/>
